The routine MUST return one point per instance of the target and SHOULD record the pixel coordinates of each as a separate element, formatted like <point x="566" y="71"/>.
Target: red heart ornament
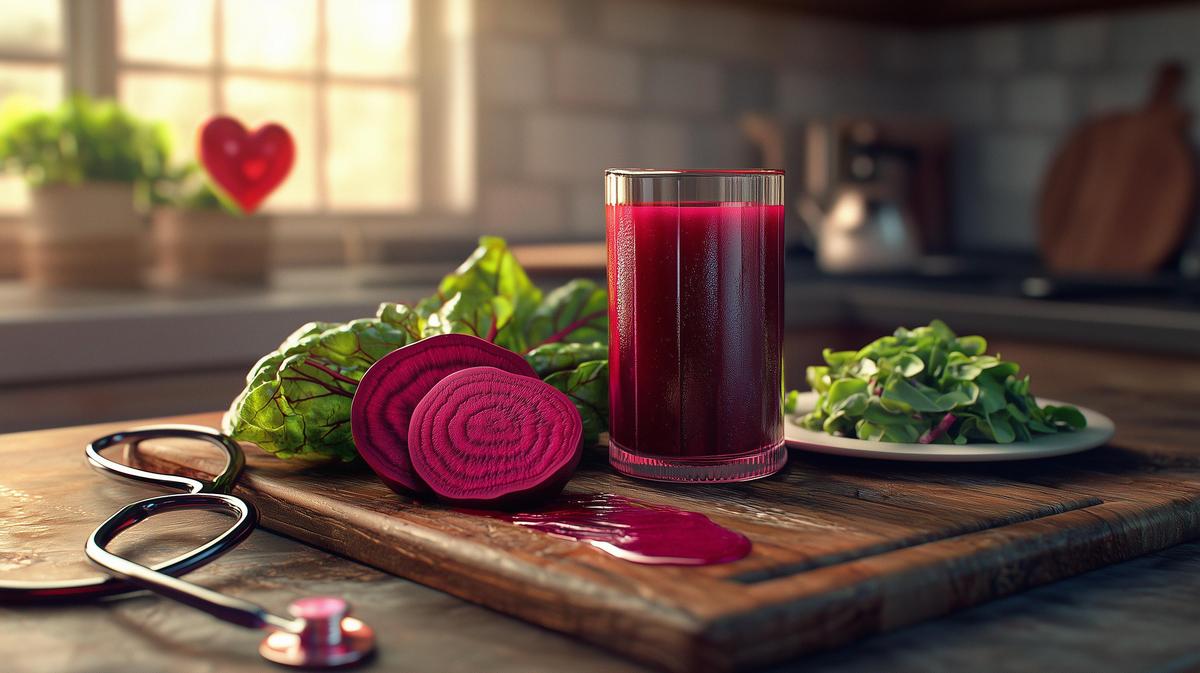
<point x="246" y="166"/>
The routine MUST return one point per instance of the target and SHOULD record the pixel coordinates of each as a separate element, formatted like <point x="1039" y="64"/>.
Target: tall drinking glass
<point x="695" y="282"/>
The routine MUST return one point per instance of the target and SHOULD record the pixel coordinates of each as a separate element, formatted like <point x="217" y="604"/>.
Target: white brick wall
<point x="806" y="95"/>
<point x="513" y="73"/>
<point x="1111" y="92"/>
<point x="996" y="49"/>
<point x="539" y="18"/>
<point x="1014" y="163"/>
<point x="640" y="22"/>
<point x="575" y="147"/>
<point x="724" y="29"/>
<point x="686" y="86"/>
<point x="1081" y="41"/>
<point x="521" y="211"/>
<point x="1037" y="100"/>
<point x="595" y="75"/>
<point x="1145" y="38"/>
<point x="587" y="211"/>
<point x="570" y="87"/>
<point x="662" y="143"/>
<point x="965" y="101"/>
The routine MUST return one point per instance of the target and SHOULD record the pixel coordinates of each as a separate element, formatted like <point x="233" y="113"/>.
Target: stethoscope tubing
<point x="211" y="495"/>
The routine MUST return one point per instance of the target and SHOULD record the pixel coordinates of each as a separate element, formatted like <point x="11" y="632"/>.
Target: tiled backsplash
<point x="569" y="87"/>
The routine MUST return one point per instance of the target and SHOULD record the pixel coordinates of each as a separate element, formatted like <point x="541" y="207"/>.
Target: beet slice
<point x="483" y="437"/>
<point x="392" y="387"/>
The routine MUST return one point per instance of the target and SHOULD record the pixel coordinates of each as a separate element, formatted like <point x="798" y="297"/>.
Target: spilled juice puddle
<point x="634" y="531"/>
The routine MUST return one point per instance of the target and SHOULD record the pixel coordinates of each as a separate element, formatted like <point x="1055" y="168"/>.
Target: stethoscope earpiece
<point x="319" y="633"/>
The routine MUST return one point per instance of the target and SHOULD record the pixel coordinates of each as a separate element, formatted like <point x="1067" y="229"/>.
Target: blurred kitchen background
<point x="918" y="138"/>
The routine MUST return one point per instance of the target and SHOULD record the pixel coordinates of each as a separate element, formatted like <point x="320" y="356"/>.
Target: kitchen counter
<point x="1137" y="616"/>
<point x="89" y="356"/>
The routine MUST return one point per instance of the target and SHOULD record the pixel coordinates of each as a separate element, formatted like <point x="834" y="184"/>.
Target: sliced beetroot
<point x="392" y="387"/>
<point x="483" y="437"/>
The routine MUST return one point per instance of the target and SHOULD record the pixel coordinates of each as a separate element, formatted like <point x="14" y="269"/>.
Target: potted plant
<point x="200" y="237"/>
<point x="82" y="162"/>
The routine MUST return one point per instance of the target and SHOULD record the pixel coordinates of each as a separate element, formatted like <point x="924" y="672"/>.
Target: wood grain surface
<point x="1118" y="195"/>
<point x="842" y="548"/>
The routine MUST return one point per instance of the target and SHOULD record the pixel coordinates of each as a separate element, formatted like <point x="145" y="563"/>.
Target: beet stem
<point x="340" y="377"/>
<point x="576" y="324"/>
<point x="939" y="429"/>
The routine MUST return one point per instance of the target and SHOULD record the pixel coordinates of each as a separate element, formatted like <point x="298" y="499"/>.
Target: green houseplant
<point x="85" y="163"/>
<point x="200" y="237"/>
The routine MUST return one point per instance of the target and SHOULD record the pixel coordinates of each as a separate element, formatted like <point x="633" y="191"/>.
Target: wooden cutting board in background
<point x="1118" y="197"/>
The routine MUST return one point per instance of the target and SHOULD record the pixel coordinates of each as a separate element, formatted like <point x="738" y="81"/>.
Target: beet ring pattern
<point x="485" y="437"/>
<point x="389" y="391"/>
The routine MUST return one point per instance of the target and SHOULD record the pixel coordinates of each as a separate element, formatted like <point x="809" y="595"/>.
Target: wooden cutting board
<point x="1118" y="197"/>
<point x="842" y="548"/>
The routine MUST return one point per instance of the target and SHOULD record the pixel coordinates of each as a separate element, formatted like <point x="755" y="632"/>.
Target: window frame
<point x="442" y="30"/>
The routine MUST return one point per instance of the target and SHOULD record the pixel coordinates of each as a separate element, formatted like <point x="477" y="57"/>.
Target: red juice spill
<point x="634" y="531"/>
<point x="696" y="321"/>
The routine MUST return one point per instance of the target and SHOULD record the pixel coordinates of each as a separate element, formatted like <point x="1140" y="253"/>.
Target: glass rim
<point x="699" y="172"/>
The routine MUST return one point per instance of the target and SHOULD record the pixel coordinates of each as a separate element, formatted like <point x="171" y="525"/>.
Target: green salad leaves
<point x="297" y="399"/>
<point x="929" y="385"/>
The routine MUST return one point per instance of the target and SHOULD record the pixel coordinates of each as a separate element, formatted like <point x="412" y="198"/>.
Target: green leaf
<point x="476" y="313"/>
<point x="557" y="357"/>
<point x="791" y="400"/>
<point x="901" y="390"/>
<point x="838" y="358"/>
<point x="878" y="415"/>
<point x="907" y="365"/>
<point x="587" y="386"/>
<point x="1068" y="416"/>
<point x="991" y="395"/>
<point x="853" y="405"/>
<point x="489" y="296"/>
<point x="1002" y="430"/>
<point x="574" y="313"/>
<point x="971" y="345"/>
<point x="818" y="378"/>
<point x="401" y="317"/>
<point x="842" y="389"/>
<point x="912" y="377"/>
<point x="952" y="399"/>
<point x="297" y="400"/>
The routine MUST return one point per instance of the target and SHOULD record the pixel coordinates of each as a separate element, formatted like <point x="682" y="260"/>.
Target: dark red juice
<point x="634" y="531"/>
<point x="696" y="314"/>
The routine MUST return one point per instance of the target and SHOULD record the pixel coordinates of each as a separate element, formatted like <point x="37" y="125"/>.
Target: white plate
<point x="1098" y="431"/>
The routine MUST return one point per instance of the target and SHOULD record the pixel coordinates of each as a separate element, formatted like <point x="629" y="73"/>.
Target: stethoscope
<point x="319" y="632"/>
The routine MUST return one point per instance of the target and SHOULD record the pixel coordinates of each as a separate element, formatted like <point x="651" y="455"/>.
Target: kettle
<point x="863" y="231"/>
<point x="868" y="226"/>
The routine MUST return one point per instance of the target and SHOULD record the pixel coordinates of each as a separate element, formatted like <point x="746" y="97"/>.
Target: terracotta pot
<point x="202" y="246"/>
<point x="83" y="236"/>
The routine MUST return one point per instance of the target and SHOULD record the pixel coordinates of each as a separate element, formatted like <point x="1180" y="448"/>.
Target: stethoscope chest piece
<point x="328" y="636"/>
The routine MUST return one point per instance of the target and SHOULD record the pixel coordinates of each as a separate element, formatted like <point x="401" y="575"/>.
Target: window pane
<point x="270" y="34"/>
<point x="180" y="31"/>
<point x="182" y="101"/>
<point x="30" y="25"/>
<point x="41" y="82"/>
<point x="258" y="101"/>
<point x="372" y="148"/>
<point x="44" y="85"/>
<point x="370" y="37"/>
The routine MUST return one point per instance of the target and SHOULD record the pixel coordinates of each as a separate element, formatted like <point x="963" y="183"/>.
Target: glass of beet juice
<point x="695" y="282"/>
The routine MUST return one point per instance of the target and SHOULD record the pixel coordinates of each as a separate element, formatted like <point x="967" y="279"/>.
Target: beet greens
<point x="929" y="385"/>
<point x="297" y="399"/>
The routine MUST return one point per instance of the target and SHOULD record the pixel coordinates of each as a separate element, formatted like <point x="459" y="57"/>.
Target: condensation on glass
<point x="695" y="276"/>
